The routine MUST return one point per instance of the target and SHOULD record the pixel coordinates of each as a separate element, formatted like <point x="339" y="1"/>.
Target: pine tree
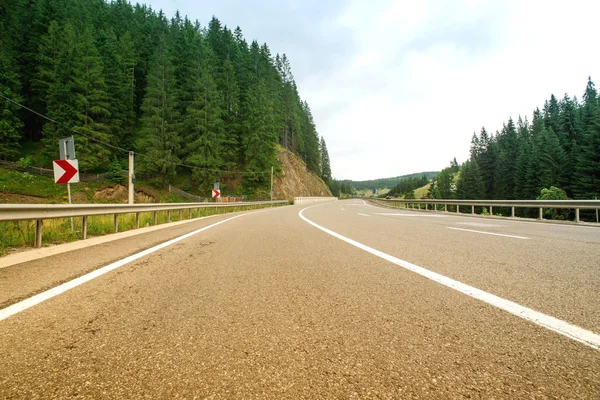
<point x="55" y="84"/>
<point x="203" y="121"/>
<point x="260" y="138"/>
<point x="470" y="183"/>
<point x="325" y="163"/>
<point x="159" y="136"/>
<point x="10" y="86"/>
<point x="552" y="159"/>
<point x="587" y="167"/>
<point x="90" y="101"/>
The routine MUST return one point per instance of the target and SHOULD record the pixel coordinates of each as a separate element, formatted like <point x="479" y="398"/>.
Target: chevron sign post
<point x="66" y="171"/>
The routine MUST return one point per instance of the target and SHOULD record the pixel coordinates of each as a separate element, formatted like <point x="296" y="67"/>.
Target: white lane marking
<point x="343" y="209"/>
<point x="48" y="294"/>
<point x="479" y="224"/>
<point x="414" y="215"/>
<point x="488" y="233"/>
<point x="561" y="327"/>
<point x="364" y="215"/>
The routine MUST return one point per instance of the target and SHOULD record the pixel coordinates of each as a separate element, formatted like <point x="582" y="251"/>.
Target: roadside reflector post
<point x="137" y="220"/>
<point x="473" y="210"/>
<point x="155" y="218"/>
<point x="577" y="215"/>
<point x="38" y="233"/>
<point x="512" y="212"/>
<point x="84" y="227"/>
<point x="541" y="213"/>
<point x="116" y="223"/>
<point x="491" y="211"/>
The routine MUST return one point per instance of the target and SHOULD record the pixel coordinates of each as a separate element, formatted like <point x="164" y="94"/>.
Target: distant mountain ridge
<point x="389" y="183"/>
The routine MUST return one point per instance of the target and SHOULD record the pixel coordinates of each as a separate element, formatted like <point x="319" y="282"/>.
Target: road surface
<point x="341" y="300"/>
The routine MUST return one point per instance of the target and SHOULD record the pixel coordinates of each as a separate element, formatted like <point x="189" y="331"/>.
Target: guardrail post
<point x="491" y="211"/>
<point x="541" y="213"/>
<point x="155" y="217"/>
<point x="445" y="207"/>
<point x="84" y="227"/>
<point x="180" y="215"/>
<point x="473" y="210"/>
<point x="137" y="220"/>
<point x="38" y="232"/>
<point x="458" y="208"/>
<point x="512" y="212"/>
<point x="577" y="215"/>
<point x="116" y="220"/>
<point x="169" y="216"/>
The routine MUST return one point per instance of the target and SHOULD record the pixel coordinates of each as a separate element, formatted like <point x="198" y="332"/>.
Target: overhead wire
<point x="129" y="151"/>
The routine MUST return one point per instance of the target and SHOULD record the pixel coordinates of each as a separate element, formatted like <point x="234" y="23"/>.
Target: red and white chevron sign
<point x="66" y="171"/>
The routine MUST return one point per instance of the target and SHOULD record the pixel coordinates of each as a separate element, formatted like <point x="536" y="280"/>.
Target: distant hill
<point x="388" y="183"/>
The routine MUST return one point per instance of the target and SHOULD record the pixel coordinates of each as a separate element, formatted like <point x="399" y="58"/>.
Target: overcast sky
<point x="398" y="87"/>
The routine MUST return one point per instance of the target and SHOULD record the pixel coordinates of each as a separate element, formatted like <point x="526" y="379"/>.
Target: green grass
<point x="421" y="192"/>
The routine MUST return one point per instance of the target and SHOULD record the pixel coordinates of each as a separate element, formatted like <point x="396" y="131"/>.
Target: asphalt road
<point x="270" y="305"/>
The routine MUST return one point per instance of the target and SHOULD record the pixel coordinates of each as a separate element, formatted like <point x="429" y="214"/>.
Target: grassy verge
<point x="21" y="234"/>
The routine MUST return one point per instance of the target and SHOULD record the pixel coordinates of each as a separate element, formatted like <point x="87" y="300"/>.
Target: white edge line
<point x="561" y="327"/>
<point x="414" y="215"/>
<point x="488" y="233"/>
<point x="364" y="215"/>
<point x="48" y="294"/>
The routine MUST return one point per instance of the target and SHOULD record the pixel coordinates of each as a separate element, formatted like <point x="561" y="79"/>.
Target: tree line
<point x="174" y="91"/>
<point x="559" y="149"/>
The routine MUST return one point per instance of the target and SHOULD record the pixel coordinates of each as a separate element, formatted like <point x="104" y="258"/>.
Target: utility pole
<point x="271" y="183"/>
<point x="131" y="178"/>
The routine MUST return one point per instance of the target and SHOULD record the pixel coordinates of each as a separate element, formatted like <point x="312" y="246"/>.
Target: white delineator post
<point x="131" y="192"/>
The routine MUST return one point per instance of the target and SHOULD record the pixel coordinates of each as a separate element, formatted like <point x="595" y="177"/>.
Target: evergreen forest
<point x="558" y="152"/>
<point x="118" y="77"/>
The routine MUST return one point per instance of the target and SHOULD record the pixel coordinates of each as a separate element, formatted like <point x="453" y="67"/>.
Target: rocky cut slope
<point x="295" y="180"/>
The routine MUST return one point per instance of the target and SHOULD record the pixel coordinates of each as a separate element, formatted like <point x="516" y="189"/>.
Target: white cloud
<point x="425" y="75"/>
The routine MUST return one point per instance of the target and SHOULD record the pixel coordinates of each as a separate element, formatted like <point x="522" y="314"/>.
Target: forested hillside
<point x="559" y="148"/>
<point x="118" y="77"/>
<point x="388" y="182"/>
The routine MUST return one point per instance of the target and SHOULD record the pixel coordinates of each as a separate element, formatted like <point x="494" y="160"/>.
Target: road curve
<point x="267" y="306"/>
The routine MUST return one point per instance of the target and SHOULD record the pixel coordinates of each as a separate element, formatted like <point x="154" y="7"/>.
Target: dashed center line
<point x="413" y="215"/>
<point x="488" y="233"/>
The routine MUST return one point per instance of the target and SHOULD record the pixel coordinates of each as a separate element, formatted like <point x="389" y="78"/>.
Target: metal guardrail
<point x="40" y="212"/>
<point x="512" y="204"/>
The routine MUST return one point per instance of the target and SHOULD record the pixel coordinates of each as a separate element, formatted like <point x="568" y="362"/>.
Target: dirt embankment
<point x="295" y="180"/>
<point x="120" y="194"/>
